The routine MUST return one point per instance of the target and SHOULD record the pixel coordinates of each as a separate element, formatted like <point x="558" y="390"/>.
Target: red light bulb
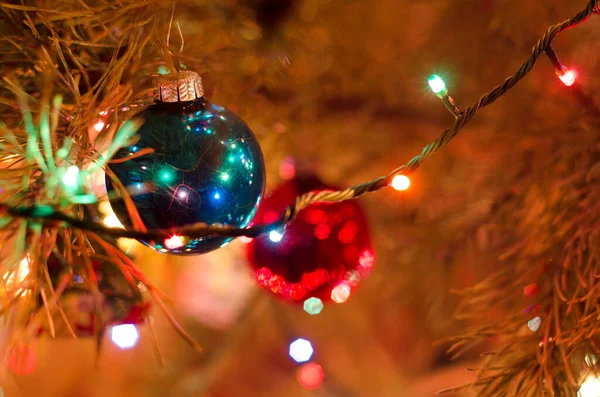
<point x="568" y="77"/>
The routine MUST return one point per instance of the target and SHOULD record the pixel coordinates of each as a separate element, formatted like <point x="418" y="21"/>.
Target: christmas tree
<point x="200" y="191"/>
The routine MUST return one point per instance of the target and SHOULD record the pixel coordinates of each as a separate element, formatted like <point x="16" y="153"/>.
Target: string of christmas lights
<point x="397" y="178"/>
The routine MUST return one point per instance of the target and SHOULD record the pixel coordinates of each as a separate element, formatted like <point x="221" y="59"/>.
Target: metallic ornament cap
<point x="187" y="86"/>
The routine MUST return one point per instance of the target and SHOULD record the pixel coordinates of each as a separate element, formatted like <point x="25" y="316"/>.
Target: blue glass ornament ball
<point x="205" y="166"/>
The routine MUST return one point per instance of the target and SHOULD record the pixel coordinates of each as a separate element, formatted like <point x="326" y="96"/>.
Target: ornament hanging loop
<point x="187" y="86"/>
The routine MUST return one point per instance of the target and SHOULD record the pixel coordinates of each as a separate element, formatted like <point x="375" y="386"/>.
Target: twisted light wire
<point x="47" y="215"/>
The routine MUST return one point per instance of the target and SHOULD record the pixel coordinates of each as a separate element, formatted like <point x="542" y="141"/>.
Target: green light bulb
<point x="166" y="175"/>
<point x="437" y="84"/>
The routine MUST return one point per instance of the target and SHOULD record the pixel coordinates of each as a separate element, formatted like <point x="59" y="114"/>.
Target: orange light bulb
<point x="401" y="182"/>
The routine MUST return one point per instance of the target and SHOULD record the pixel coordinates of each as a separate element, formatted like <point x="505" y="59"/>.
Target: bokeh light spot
<point x="296" y="292"/>
<point x="367" y="259"/>
<point x="352" y="278"/>
<point x="313" y="306"/>
<point x="287" y="170"/>
<point x="310" y="376"/>
<point x="301" y="350"/>
<point x="348" y="232"/>
<point x="125" y="336"/>
<point x="316" y="216"/>
<point x="322" y="231"/>
<point x="340" y="293"/>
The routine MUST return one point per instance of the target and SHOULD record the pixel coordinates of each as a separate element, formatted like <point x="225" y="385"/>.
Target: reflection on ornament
<point x="301" y="350"/>
<point x="174" y="242"/>
<point x="245" y="240"/>
<point x="367" y="259"/>
<point x="204" y="165"/>
<point x="119" y="302"/>
<point x="310" y="376"/>
<point x="326" y="247"/>
<point x="125" y="336"/>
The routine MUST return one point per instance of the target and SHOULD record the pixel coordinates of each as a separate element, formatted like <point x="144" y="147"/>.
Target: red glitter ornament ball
<point x="321" y="256"/>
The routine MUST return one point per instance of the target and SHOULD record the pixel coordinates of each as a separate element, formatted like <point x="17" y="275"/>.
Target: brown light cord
<point x="47" y="215"/>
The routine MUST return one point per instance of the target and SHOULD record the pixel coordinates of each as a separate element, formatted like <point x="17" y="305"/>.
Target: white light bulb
<point x="400" y="182"/>
<point x="275" y="236"/>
